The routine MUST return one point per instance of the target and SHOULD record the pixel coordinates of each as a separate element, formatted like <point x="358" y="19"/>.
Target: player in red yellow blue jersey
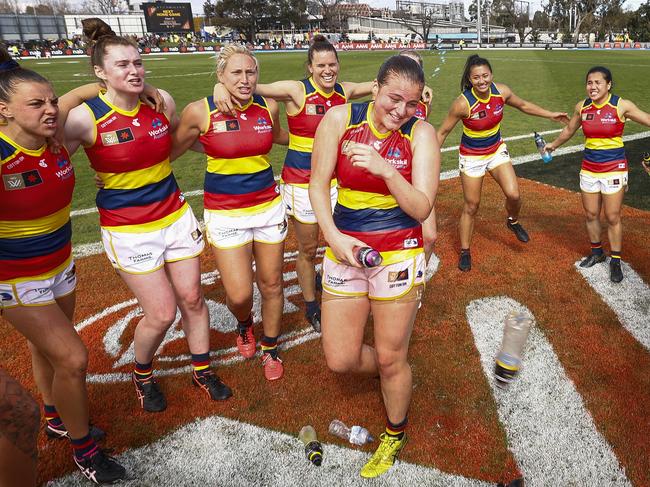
<point x="480" y="108"/>
<point x="149" y="232"/>
<point x="37" y="273"/>
<point x="306" y="103"/>
<point x="244" y="215"/>
<point x="387" y="164"/>
<point x="603" y="176"/>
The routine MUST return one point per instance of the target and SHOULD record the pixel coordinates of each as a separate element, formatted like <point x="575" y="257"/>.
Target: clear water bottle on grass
<point x="541" y="143"/>
<point x="508" y="362"/>
<point x="357" y="435"/>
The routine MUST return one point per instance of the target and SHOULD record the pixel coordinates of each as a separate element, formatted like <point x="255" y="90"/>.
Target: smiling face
<point x="34" y="109"/>
<point x="481" y="79"/>
<point x="324" y="69"/>
<point x="122" y="69"/>
<point x="598" y="87"/>
<point x="239" y="77"/>
<point x="395" y="102"/>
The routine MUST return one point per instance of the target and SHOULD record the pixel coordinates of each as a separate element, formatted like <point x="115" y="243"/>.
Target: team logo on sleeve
<point x="315" y="109"/>
<point x="21" y="180"/>
<point x="120" y="136"/>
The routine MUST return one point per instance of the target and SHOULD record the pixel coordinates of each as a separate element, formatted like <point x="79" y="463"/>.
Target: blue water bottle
<point x="541" y="143"/>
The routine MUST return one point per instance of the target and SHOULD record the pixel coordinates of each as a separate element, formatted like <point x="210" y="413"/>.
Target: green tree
<point x="639" y="23"/>
<point x="251" y="16"/>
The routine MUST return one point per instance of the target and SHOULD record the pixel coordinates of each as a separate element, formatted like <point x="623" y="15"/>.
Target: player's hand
<point x="549" y="148"/>
<point x="54" y="145"/>
<point x="343" y="246"/>
<point x="365" y="156"/>
<point x="99" y="183"/>
<point x="561" y="117"/>
<point x="151" y="97"/>
<point x="224" y="100"/>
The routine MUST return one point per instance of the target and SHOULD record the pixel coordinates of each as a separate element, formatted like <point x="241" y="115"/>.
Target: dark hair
<point x="320" y="44"/>
<point x="100" y="36"/>
<point x="413" y="54"/>
<point x="473" y="60"/>
<point x="11" y="75"/>
<point x="607" y="74"/>
<point x="402" y="66"/>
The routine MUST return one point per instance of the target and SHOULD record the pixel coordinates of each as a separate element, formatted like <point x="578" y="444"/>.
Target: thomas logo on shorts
<point x="196" y="235"/>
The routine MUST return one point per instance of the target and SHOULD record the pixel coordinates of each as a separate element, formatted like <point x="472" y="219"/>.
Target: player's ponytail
<point x="473" y="60"/>
<point x="100" y="37"/>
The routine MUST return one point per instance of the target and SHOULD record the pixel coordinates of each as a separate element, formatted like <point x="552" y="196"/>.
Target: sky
<point x="197" y="5"/>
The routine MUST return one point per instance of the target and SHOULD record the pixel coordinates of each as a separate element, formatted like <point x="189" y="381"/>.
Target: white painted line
<point x="629" y="299"/>
<point x="220" y="451"/>
<point x="550" y="432"/>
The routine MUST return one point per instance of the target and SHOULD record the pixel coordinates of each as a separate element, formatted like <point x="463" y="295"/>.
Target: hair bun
<point x="320" y="38"/>
<point x="94" y="29"/>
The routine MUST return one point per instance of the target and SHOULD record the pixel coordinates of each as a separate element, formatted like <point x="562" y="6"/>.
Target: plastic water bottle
<point x="508" y="362"/>
<point x="540" y="143"/>
<point x="357" y="435"/>
<point x="313" y="448"/>
<point x="367" y="257"/>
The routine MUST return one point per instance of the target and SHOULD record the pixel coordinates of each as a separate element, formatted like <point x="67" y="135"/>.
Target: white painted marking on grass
<point x="550" y="432"/>
<point x="629" y="299"/>
<point x="220" y="451"/>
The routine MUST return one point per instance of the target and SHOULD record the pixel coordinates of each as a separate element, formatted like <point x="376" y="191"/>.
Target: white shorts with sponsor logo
<point x="605" y="183"/>
<point x="296" y="200"/>
<point x="391" y="281"/>
<point x="226" y="232"/>
<point x="143" y="253"/>
<point x="40" y="292"/>
<point x="476" y="166"/>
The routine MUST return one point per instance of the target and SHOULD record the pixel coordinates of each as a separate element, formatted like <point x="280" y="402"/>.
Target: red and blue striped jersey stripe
<point x="302" y="128"/>
<point x="482" y="128"/>
<point x="35" y="196"/>
<point x="130" y="153"/>
<point x="239" y="179"/>
<point x="365" y="208"/>
<point x="603" y="128"/>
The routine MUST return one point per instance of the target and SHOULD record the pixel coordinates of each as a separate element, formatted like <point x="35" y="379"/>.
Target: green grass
<point x="552" y="79"/>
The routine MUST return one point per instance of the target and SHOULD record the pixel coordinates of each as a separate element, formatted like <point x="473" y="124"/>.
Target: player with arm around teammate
<point x="244" y="215"/>
<point x="149" y="232"/>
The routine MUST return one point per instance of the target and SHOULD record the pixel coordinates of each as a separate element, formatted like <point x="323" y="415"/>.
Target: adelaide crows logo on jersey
<point x="315" y="109"/>
<point x="119" y="136"/>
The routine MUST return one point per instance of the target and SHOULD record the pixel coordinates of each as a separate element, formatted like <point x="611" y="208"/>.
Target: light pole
<point x="478" y="22"/>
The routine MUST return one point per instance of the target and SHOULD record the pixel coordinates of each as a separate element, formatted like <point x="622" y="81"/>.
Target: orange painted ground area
<point x="453" y="419"/>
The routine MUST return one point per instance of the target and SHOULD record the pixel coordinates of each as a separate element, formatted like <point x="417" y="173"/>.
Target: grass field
<point x="552" y="79"/>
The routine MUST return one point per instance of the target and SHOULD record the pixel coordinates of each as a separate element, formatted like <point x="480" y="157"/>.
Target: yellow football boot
<point x="385" y="456"/>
